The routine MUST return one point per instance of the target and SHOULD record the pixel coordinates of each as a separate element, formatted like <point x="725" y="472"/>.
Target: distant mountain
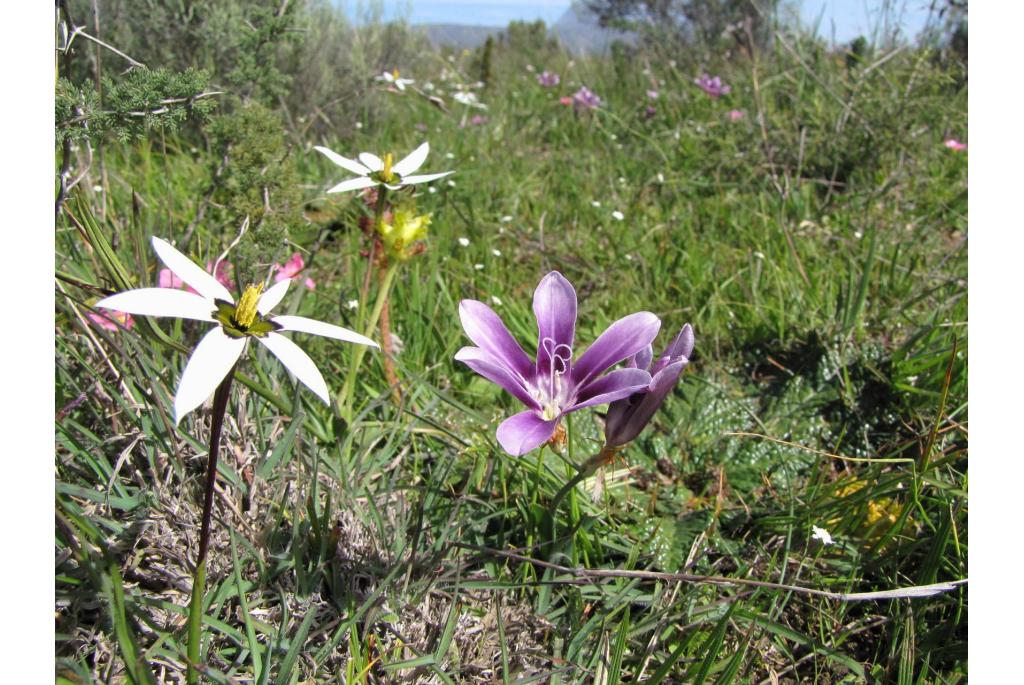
<point x="577" y="29"/>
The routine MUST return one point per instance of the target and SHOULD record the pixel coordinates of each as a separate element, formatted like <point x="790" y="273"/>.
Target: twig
<point x="585" y="574"/>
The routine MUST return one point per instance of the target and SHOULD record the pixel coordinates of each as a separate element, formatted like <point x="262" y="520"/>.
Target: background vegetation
<point x="816" y="241"/>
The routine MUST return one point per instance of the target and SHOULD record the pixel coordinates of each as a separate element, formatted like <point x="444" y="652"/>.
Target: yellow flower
<point x="405" y="229"/>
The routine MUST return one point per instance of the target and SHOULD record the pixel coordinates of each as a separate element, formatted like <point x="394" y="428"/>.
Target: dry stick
<point x="195" y="611"/>
<point x="584" y="574"/>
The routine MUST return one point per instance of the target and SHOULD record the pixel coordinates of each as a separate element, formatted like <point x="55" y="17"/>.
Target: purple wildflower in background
<point x="585" y="99"/>
<point x="650" y="111"/>
<point x="712" y="86"/>
<point x="628" y="416"/>
<point x="652" y="94"/>
<point x="477" y="120"/>
<point x="554" y="385"/>
<point x="548" y="79"/>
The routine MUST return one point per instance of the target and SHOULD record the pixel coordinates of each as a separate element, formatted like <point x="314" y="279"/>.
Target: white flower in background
<point x="431" y="190"/>
<point x="822" y="535"/>
<point x="216" y="354"/>
<point x="469" y="99"/>
<point x="374" y="171"/>
<point x="495" y="300"/>
<point x="595" y="203"/>
<point x="618" y="216"/>
<point x="449" y="155"/>
<point x="661" y="177"/>
<point x="428" y="86"/>
<point x="352" y="304"/>
<point x="478" y="267"/>
<point x="391" y="78"/>
<point x="506" y="219"/>
<point x="496" y="253"/>
<point x="451" y="184"/>
<point x="464" y="242"/>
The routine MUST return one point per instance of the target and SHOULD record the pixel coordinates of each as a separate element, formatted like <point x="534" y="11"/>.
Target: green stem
<point x="195" y="610"/>
<point x="586" y="469"/>
<point x="345" y="399"/>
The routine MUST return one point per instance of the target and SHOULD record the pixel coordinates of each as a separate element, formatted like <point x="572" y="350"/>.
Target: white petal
<point x="211" y="361"/>
<point x="298" y="362"/>
<point x="399" y="84"/>
<point x="180" y="304"/>
<point x="273" y="297"/>
<point x="413" y="161"/>
<point x="190" y="272"/>
<point x="423" y="178"/>
<point x="344" y="162"/>
<point x="328" y="330"/>
<point x="353" y="184"/>
<point x="372" y="161"/>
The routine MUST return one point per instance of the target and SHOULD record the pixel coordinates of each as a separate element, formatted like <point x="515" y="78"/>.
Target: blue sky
<point x="845" y="19"/>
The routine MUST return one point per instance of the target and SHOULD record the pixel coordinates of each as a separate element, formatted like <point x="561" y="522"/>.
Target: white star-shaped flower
<point x="216" y="354"/>
<point x="391" y="77"/>
<point x="374" y="171"/>
<point x="822" y="535"/>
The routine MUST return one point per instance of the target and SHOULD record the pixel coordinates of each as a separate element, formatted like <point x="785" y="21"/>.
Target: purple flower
<point x="628" y="416"/>
<point x="548" y="79"/>
<point x="712" y="86"/>
<point x="477" y="120"/>
<point x="585" y="99"/>
<point x="554" y="385"/>
<point x="650" y="112"/>
<point x="652" y="94"/>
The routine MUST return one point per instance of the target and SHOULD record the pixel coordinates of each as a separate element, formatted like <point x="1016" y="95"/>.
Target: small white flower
<point x="506" y="219"/>
<point x="468" y="99"/>
<point x="219" y="350"/>
<point x="374" y="171"/>
<point x="464" y="242"/>
<point x="858" y="235"/>
<point x="495" y="300"/>
<point x="618" y="216"/>
<point x="613" y="136"/>
<point x="428" y="86"/>
<point x="822" y="535"/>
<point x="397" y="345"/>
<point x="622" y="180"/>
<point x="449" y="155"/>
<point x="595" y="203"/>
<point x="431" y="190"/>
<point x="661" y="177"/>
<point x="629" y="257"/>
<point x="759" y="255"/>
<point x="352" y="304"/>
<point x="496" y="253"/>
<point x="359" y="125"/>
<point x="97" y="189"/>
<point x="478" y="267"/>
<point x="530" y="68"/>
<point x="391" y="77"/>
<point x="451" y="184"/>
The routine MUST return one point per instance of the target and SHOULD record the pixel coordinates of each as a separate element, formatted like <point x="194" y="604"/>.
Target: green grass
<point x="818" y="247"/>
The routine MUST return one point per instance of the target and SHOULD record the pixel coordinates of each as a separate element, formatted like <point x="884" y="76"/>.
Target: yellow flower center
<point x="387" y="174"/>
<point x="245" y="310"/>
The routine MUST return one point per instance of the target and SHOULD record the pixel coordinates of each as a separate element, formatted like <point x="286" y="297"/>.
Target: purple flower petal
<point x="612" y="386"/>
<point x="682" y="346"/>
<point x="624" y="338"/>
<point x="642" y="359"/>
<point x="554" y="305"/>
<point x="524" y="431"/>
<point x="627" y="417"/>
<point x="494" y="371"/>
<point x="486" y="329"/>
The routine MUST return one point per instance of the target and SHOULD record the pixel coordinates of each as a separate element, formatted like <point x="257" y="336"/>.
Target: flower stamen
<point x="245" y="311"/>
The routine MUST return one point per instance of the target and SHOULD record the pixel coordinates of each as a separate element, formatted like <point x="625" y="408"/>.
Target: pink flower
<point x="109" y="320"/>
<point x="652" y="94"/>
<point x="955" y="145"/>
<point x="565" y="100"/>
<point x="168" y="279"/>
<point x="650" y="112"/>
<point x="736" y="114"/>
<point x="712" y="86"/>
<point x="291" y="269"/>
<point x="548" y="79"/>
<point x="477" y="120"/>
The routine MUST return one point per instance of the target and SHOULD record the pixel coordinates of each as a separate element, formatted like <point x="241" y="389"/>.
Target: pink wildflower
<point x="712" y="86"/>
<point x="109" y="320"/>
<point x="736" y="114"/>
<point x="652" y="94"/>
<point x="291" y="269"/>
<point x="955" y="145"/>
<point x="565" y="100"/>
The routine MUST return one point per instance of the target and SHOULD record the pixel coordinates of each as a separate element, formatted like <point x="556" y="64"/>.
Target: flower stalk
<point x="195" y="611"/>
